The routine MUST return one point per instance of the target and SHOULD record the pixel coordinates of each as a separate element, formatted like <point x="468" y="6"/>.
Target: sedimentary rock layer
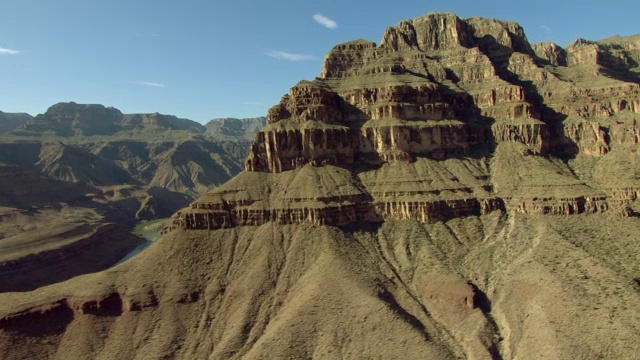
<point x="440" y="88"/>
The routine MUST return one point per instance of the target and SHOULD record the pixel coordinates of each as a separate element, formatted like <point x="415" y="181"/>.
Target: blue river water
<point x="150" y="230"/>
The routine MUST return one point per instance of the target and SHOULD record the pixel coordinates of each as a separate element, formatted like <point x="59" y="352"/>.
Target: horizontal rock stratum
<point x="451" y="193"/>
<point x="438" y="92"/>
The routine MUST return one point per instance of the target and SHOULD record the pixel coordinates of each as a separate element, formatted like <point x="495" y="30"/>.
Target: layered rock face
<point x="440" y="88"/>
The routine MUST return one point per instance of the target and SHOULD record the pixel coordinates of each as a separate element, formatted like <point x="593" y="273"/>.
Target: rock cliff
<point x="437" y="89"/>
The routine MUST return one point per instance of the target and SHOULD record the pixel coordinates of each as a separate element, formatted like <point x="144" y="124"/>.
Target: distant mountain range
<point x="79" y="168"/>
<point x="232" y="128"/>
<point x="11" y="121"/>
<point x="71" y="119"/>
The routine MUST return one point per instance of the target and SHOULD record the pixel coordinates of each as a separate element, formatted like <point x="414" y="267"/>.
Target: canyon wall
<point x="437" y="89"/>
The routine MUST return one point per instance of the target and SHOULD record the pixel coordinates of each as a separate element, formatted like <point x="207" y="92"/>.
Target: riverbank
<point x="150" y="231"/>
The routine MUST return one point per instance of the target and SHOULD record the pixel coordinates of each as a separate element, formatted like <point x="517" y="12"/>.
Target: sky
<point x="204" y="59"/>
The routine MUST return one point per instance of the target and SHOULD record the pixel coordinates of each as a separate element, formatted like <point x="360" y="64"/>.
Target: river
<point x="150" y="230"/>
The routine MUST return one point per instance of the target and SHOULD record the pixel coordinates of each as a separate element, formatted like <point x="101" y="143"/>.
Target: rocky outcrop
<point x="624" y="46"/>
<point x="611" y="55"/>
<point x="561" y="206"/>
<point x="625" y="135"/>
<point x="437" y="87"/>
<point x="435" y="31"/>
<point x="307" y="102"/>
<point x="445" y="31"/>
<point x="551" y="52"/>
<point x="535" y="135"/>
<point x="212" y="216"/>
<point x="66" y="118"/>
<point x="583" y="52"/>
<point x="400" y="102"/>
<point x="58" y="313"/>
<point x="591" y="138"/>
<point x="276" y="151"/>
<point x="483" y="58"/>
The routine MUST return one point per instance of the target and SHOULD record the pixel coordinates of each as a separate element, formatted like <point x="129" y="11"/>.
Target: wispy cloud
<point x="289" y="56"/>
<point x="148" y="83"/>
<point x="325" y="21"/>
<point x="251" y="103"/>
<point x="546" y="28"/>
<point x="5" y="51"/>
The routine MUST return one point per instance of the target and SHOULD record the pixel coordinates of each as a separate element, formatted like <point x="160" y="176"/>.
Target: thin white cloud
<point x="289" y="56"/>
<point x="325" y="21"/>
<point x="148" y="83"/>
<point x="546" y="28"/>
<point x="5" y="51"/>
<point x="251" y="103"/>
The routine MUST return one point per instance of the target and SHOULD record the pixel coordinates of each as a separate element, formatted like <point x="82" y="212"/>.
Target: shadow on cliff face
<point x="362" y="227"/>
<point x="478" y="134"/>
<point x="387" y="297"/>
<point x="109" y="306"/>
<point x="618" y="67"/>
<point x="482" y="302"/>
<point x="480" y="137"/>
<point x="562" y="146"/>
<point x="621" y="74"/>
<point x="39" y="323"/>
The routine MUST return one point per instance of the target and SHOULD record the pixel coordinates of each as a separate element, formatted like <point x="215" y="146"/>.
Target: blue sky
<point x="204" y="59"/>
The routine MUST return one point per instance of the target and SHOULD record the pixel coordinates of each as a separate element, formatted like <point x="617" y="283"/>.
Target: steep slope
<point x="441" y="195"/>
